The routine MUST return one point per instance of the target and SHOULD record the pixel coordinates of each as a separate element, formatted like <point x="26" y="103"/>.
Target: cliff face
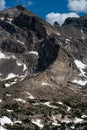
<point x="43" y="72"/>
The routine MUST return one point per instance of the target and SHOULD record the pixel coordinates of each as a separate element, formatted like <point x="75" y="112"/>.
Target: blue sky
<point x="51" y="10"/>
<point x="42" y="7"/>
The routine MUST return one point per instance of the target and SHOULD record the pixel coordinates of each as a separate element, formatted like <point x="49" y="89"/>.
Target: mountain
<point x="43" y="72"/>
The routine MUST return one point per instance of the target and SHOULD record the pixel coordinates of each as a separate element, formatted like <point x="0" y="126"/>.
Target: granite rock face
<point x="43" y="72"/>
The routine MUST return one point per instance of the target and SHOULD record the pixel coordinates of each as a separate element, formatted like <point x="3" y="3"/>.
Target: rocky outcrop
<point x="12" y="46"/>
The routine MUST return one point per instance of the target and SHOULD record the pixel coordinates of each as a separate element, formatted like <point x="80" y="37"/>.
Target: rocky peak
<point x="43" y="72"/>
<point x="20" y="7"/>
<point x="77" y="22"/>
<point x="56" y="23"/>
<point x="71" y="21"/>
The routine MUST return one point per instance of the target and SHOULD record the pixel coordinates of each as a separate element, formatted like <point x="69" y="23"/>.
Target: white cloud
<point x="58" y="17"/>
<point x="2" y="4"/>
<point x="77" y="5"/>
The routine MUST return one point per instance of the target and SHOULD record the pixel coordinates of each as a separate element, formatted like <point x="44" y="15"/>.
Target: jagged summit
<point x="24" y="34"/>
<point x="43" y="72"/>
<point x="20" y="7"/>
<point x="77" y="22"/>
<point x="14" y="11"/>
<point x="56" y="24"/>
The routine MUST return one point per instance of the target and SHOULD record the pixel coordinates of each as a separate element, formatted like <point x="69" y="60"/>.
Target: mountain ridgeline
<point x="42" y="67"/>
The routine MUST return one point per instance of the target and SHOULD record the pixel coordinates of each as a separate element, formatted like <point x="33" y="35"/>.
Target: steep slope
<point x="43" y="72"/>
<point x="25" y="38"/>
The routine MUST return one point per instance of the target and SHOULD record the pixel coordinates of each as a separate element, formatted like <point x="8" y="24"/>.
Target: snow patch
<point x="33" y="52"/>
<point x="8" y="20"/>
<point x="10" y="84"/>
<point x="20" y="100"/>
<point x="38" y="123"/>
<point x="80" y="82"/>
<point x="78" y="120"/>
<point x="5" y="120"/>
<point x="30" y="95"/>
<point x="2" y="128"/>
<point x="2" y="55"/>
<point x="81" y="66"/>
<point x="18" y="63"/>
<point x="2" y="18"/>
<point x="82" y="33"/>
<point x="36" y="104"/>
<point x="9" y="110"/>
<point x="24" y="67"/>
<point x="83" y="38"/>
<point x="60" y="103"/>
<point x="66" y="121"/>
<point x="45" y="84"/>
<point x="19" y="122"/>
<point x="54" y="122"/>
<point x="68" y="109"/>
<point x="72" y="127"/>
<point x="48" y="105"/>
<point x="8" y="95"/>
<point x="0" y="100"/>
<point x="10" y="76"/>
<point x="58" y="34"/>
<point x="68" y="40"/>
<point x="20" y="42"/>
<point x="13" y="57"/>
<point x="1" y="74"/>
<point x="23" y="76"/>
<point x="84" y="116"/>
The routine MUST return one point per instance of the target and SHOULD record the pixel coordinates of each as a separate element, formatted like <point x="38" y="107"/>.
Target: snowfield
<point x="81" y="67"/>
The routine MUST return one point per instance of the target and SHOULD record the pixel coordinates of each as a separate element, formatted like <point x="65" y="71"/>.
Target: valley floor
<point x="21" y="110"/>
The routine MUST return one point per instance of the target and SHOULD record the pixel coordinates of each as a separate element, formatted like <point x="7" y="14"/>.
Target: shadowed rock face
<point x="43" y="72"/>
<point x="77" y="22"/>
<point x="48" y="51"/>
